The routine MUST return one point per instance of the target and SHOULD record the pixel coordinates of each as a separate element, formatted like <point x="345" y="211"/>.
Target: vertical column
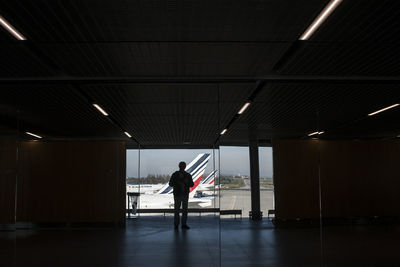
<point x="254" y="180"/>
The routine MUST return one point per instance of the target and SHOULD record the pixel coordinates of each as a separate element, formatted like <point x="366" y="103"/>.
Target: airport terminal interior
<point x="286" y="112"/>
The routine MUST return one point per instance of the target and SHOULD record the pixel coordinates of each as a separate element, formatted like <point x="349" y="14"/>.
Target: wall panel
<point x="80" y="181"/>
<point x="358" y="178"/>
<point x="8" y="161"/>
<point x="296" y="179"/>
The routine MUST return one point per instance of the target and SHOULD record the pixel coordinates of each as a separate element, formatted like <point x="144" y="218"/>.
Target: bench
<point x="165" y="211"/>
<point x="271" y="212"/>
<point x="190" y="210"/>
<point x="231" y="212"/>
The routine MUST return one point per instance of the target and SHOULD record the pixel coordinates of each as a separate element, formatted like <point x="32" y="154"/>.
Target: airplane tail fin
<point x="210" y="179"/>
<point x="196" y="169"/>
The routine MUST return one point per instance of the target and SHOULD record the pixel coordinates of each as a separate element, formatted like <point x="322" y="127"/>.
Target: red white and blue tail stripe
<point x="195" y="168"/>
<point x="210" y="179"/>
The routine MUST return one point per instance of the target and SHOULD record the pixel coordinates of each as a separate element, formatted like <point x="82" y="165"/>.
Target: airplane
<point x="164" y="197"/>
<point x="144" y="188"/>
<point x="208" y="182"/>
<point x="206" y="185"/>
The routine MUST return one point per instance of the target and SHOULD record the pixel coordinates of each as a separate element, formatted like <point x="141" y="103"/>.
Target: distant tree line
<point x="149" y="179"/>
<point x="231" y="181"/>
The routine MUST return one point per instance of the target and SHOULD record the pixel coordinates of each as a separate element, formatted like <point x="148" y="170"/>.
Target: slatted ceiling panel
<point x="373" y="59"/>
<point x="164" y="59"/>
<point x="278" y="103"/>
<point x="359" y="38"/>
<point x="193" y="39"/>
<point x="192" y="20"/>
<point x="231" y="98"/>
<point x="136" y="38"/>
<point x="162" y="114"/>
<point x="17" y="60"/>
<point x="350" y="103"/>
<point x="57" y="112"/>
<point x="136" y="93"/>
<point x="362" y="21"/>
<point x="172" y="114"/>
<point x="294" y="110"/>
<point x="168" y="115"/>
<point x="360" y="129"/>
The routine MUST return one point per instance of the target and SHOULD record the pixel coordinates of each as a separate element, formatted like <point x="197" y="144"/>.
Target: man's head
<point x="182" y="165"/>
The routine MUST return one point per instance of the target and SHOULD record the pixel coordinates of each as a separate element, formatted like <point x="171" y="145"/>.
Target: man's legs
<point x="177" y="205"/>
<point x="185" y="200"/>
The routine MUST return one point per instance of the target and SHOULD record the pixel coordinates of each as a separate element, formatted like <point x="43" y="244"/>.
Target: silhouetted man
<point x="181" y="181"/>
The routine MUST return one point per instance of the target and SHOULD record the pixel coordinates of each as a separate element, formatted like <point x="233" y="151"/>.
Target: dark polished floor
<point x="151" y="241"/>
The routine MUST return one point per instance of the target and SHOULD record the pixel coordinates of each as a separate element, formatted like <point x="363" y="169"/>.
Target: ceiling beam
<point x="208" y="79"/>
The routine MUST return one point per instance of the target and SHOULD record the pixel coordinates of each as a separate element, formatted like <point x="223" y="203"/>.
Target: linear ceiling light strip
<point x="14" y="32"/>
<point x="243" y="109"/>
<point x="102" y="111"/>
<point x="332" y="5"/>
<point x="315" y="133"/>
<point x="34" y="135"/>
<point x="384" y="109"/>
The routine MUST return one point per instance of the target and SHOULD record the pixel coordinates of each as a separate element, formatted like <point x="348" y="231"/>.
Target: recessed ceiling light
<point x="245" y="106"/>
<point x="100" y="109"/>
<point x="224" y="131"/>
<point x="127" y="134"/>
<point x="381" y="110"/>
<point x="330" y="7"/>
<point x="315" y="133"/>
<point x="35" y="135"/>
<point x="14" y="32"/>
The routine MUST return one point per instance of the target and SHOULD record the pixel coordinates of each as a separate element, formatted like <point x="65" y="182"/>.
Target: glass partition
<point x="266" y="182"/>
<point x="9" y="131"/>
<point x="153" y="169"/>
<point x="360" y="183"/>
<point x="235" y="180"/>
<point x="289" y="181"/>
<point x="132" y="181"/>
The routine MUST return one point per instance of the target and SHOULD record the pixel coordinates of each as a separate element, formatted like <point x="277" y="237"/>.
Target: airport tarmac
<point x="238" y="199"/>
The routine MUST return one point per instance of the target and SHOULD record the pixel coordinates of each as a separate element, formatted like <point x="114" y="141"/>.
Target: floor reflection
<point x="152" y="241"/>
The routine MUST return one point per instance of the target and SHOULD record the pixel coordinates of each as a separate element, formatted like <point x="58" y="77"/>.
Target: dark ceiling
<point x="175" y="73"/>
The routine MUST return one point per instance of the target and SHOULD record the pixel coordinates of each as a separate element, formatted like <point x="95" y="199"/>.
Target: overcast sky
<point x="234" y="160"/>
